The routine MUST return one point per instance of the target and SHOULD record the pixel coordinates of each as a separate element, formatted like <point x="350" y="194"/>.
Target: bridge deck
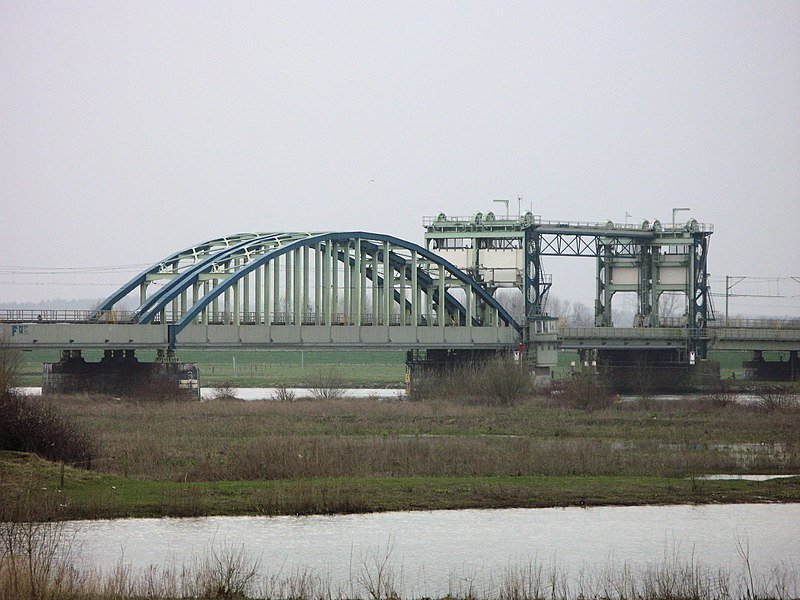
<point x="29" y="336"/>
<point x="75" y="329"/>
<point x="719" y="338"/>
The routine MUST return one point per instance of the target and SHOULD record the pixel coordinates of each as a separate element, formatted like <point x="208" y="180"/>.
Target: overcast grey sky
<point x="129" y="130"/>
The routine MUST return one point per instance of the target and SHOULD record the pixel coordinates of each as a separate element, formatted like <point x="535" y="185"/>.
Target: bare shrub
<point x="443" y="384"/>
<point x="586" y="391"/>
<point x="777" y="397"/>
<point x="507" y="380"/>
<point x="9" y="366"/>
<point x="36" y="557"/>
<point x="499" y="381"/>
<point x="327" y="385"/>
<point x="223" y="391"/>
<point x="377" y="576"/>
<point x="226" y="574"/>
<point x="284" y="394"/>
<point x="299" y="584"/>
<point x="30" y="425"/>
<point x="527" y="582"/>
<point x="722" y="396"/>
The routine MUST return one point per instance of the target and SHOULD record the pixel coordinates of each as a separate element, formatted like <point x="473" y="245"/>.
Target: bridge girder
<point x="324" y="278"/>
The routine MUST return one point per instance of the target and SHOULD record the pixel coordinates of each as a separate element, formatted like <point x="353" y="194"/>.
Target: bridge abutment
<point x="120" y="373"/>
<point x="647" y="371"/>
<point x="760" y="369"/>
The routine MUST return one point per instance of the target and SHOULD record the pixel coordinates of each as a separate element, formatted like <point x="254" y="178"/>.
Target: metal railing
<point x="755" y="323"/>
<point x="431" y="221"/>
<point x="660" y="333"/>
<point x="214" y="318"/>
<point x="667" y="324"/>
<point x="755" y="333"/>
<point x="470" y="220"/>
<point x="730" y="323"/>
<point x="65" y="316"/>
<point x="309" y="319"/>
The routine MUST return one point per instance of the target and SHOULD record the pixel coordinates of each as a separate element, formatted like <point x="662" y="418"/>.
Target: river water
<point x="266" y="393"/>
<point x="269" y="393"/>
<point x="433" y="553"/>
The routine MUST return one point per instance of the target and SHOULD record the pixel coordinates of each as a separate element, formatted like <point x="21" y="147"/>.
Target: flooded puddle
<point x="726" y="477"/>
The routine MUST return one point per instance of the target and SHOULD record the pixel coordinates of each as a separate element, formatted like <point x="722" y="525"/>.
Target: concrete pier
<point x="650" y="371"/>
<point x="120" y="373"/>
<point x="759" y="369"/>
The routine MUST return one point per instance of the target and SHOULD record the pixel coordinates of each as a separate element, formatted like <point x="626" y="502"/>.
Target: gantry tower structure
<point x="648" y="259"/>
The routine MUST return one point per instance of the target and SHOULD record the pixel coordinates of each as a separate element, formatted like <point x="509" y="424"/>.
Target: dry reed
<point x="229" y="440"/>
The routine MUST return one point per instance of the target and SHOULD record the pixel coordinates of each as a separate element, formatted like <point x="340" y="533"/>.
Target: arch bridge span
<point x="330" y="289"/>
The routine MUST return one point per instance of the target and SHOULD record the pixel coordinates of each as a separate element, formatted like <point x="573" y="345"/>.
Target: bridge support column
<point x="120" y="373"/>
<point x="604" y="294"/>
<point x="541" y="349"/>
<point x="760" y="369"/>
<point x="648" y="371"/>
<point x="588" y="360"/>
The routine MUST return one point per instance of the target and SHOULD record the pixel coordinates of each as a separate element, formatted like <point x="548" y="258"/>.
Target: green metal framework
<point x="335" y="278"/>
<point x="648" y="259"/>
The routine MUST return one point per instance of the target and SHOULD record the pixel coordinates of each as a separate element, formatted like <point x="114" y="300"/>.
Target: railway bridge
<point x="437" y="301"/>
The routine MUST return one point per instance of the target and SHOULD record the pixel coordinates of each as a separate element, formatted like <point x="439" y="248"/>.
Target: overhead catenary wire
<point x="25" y="270"/>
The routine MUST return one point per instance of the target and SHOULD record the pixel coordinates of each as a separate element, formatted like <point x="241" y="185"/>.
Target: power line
<point x="796" y="279"/>
<point x="61" y="284"/>
<point x="69" y="283"/>
<point x="20" y="270"/>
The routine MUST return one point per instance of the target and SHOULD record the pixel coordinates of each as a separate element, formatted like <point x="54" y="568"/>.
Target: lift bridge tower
<point x="647" y="258"/>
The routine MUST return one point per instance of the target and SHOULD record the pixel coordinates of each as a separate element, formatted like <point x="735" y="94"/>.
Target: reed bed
<point x="304" y="457"/>
<point x="197" y="441"/>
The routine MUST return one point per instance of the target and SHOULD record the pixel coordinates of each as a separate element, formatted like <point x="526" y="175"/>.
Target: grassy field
<point x="250" y="368"/>
<point x="92" y="495"/>
<point x="346" y="455"/>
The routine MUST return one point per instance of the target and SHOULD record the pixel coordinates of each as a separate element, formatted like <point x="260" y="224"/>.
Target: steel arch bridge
<point x="329" y="289"/>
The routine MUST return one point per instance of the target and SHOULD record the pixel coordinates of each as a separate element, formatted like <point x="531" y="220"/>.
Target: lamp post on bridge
<point x="674" y="210"/>
<point x="503" y="201"/>
<point x="728" y="286"/>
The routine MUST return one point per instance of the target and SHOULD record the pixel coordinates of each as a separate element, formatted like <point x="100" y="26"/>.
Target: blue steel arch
<point x="310" y="241"/>
<point x="200" y="249"/>
<point x="156" y="302"/>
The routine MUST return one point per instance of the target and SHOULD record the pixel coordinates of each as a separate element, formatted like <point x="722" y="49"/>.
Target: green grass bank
<point x="250" y="368"/>
<point x="37" y="486"/>
<point x="363" y="455"/>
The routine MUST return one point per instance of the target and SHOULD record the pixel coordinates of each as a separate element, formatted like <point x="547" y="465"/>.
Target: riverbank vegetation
<point x="362" y="455"/>
<point x="500" y="445"/>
